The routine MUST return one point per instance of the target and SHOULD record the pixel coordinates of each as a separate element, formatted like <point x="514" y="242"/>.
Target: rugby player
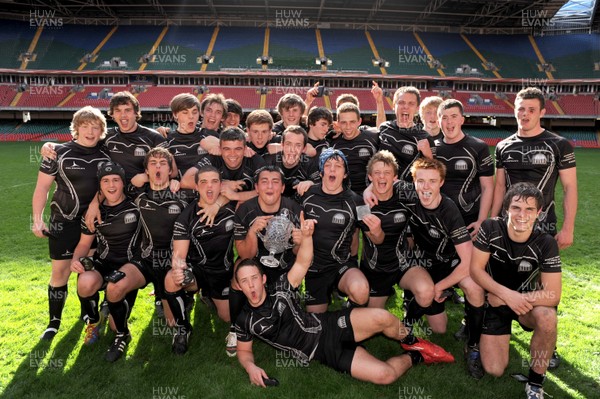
<point x="274" y="315"/>
<point x="206" y="251"/>
<point x="402" y="137"/>
<point x="118" y="245"/>
<point x="520" y="268"/>
<point x="334" y="206"/>
<point x="74" y="171"/>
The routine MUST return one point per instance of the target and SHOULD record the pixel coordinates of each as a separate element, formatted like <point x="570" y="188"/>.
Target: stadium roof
<point x="476" y="16"/>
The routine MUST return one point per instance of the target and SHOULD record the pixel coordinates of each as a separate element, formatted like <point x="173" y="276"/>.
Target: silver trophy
<point x="276" y="238"/>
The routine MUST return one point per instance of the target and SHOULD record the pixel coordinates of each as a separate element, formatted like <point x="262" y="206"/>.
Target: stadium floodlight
<point x="323" y="61"/>
<point x="264" y="60"/>
<point x="380" y="63"/>
<point x="206" y="59"/>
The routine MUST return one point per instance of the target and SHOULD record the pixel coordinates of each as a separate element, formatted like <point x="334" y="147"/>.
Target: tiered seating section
<point x="572" y="56"/>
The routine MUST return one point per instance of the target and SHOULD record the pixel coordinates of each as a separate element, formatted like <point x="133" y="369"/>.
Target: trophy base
<point x="269" y="261"/>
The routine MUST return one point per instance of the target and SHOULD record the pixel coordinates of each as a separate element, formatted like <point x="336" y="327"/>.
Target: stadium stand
<point x="129" y="44"/>
<point x="180" y="48"/>
<point x="293" y="49"/>
<point x="515" y="61"/>
<point x="572" y="56"/>
<point x="404" y="53"/>
<point x="348" y="49"/>
<point x="15" y="38"/>
<point x="452" y="51"/>
<point x="237" y="48"/>
<point x="66" y="47"/>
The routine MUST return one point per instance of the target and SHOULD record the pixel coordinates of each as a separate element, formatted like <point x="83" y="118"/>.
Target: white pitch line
<point x="21" y="185"/>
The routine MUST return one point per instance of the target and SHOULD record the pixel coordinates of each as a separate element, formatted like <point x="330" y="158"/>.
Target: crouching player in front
<point x="275" y="316"/>
<point x="117" y="242"/>
<point x="520" y="268"/>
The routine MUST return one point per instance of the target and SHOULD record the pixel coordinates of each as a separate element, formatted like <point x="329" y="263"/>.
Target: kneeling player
<point x="208" y="249"/>
<point x="444" y="246"/>
<point x="520" y="268"/>
<point x="117" y="242"/>
<point x="275" y="316"/>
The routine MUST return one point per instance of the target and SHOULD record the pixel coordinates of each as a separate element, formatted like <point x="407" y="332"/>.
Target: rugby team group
<point x="433" y="209"/>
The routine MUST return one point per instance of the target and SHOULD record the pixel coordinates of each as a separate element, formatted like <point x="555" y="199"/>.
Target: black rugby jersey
<point x="118" y="233"/>
<point x="158" y="212"/>
<point x="437" y="231"/>
<point x="186" y="148"/>
<point x="306" y="169"/>
<point x="337" y="220"/>
<point x="403" y="144"/>
<point x="247" y="214"/>
<point x="466" y="161"/>
<point x="517" y="265"/>
<point x="390" y="255"/>
<point x="211" y="247"/>
<point x="245" y="172"/>
<point x="358" y="151"/>
<point x="536" y="160"/>
<point x="130" y="149"/>
<point x="75" y="171"/>
<point x="318" y="145"/>
<point x="281" y="322"/>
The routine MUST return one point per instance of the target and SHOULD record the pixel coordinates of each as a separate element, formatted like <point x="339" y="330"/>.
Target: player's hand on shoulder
<point x="47" y="151"/>
<point x="303" y="187"/>
<point x="174" y="185"/>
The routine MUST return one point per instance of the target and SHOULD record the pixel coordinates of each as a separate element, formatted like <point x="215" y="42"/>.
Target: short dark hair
<point x="407" y="89"/>
<point x="294" y="129"/>
<point x="233" y="134"/>
<point x="248" y="262"/>
<point x="523" y="191"/>
<point x="346" y="98"/>
<point x="204" y="169"/>
<point x="290" y="100"/>
<point x="450" y="103"/>
<point x="234" y="107"/>
<point x="532" y="93"/>
<point x="317" y="113"/>
<point x="124" y="98"/>
<point x="259" y="117"/>
<point x="268" y="168"/>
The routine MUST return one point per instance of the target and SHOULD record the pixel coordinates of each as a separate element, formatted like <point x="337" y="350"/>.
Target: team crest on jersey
<point x="539" y="159"/>
<point x="139" y="152"/>
<point x="408" y="149"/>
<point x="229" y="225"/>
<point x="525" y="266"/>
<point x="461" y="165"/>
<point x="177" y="152"/>
<point x="399" y="218"/>
<point x="341" y="322"/>
<point x="434" y="233"/>
<point x="174" y="209"/>
<point x="338" y="218"/>
<point x="130" y="218"/>
<point x="363" y="152"/>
